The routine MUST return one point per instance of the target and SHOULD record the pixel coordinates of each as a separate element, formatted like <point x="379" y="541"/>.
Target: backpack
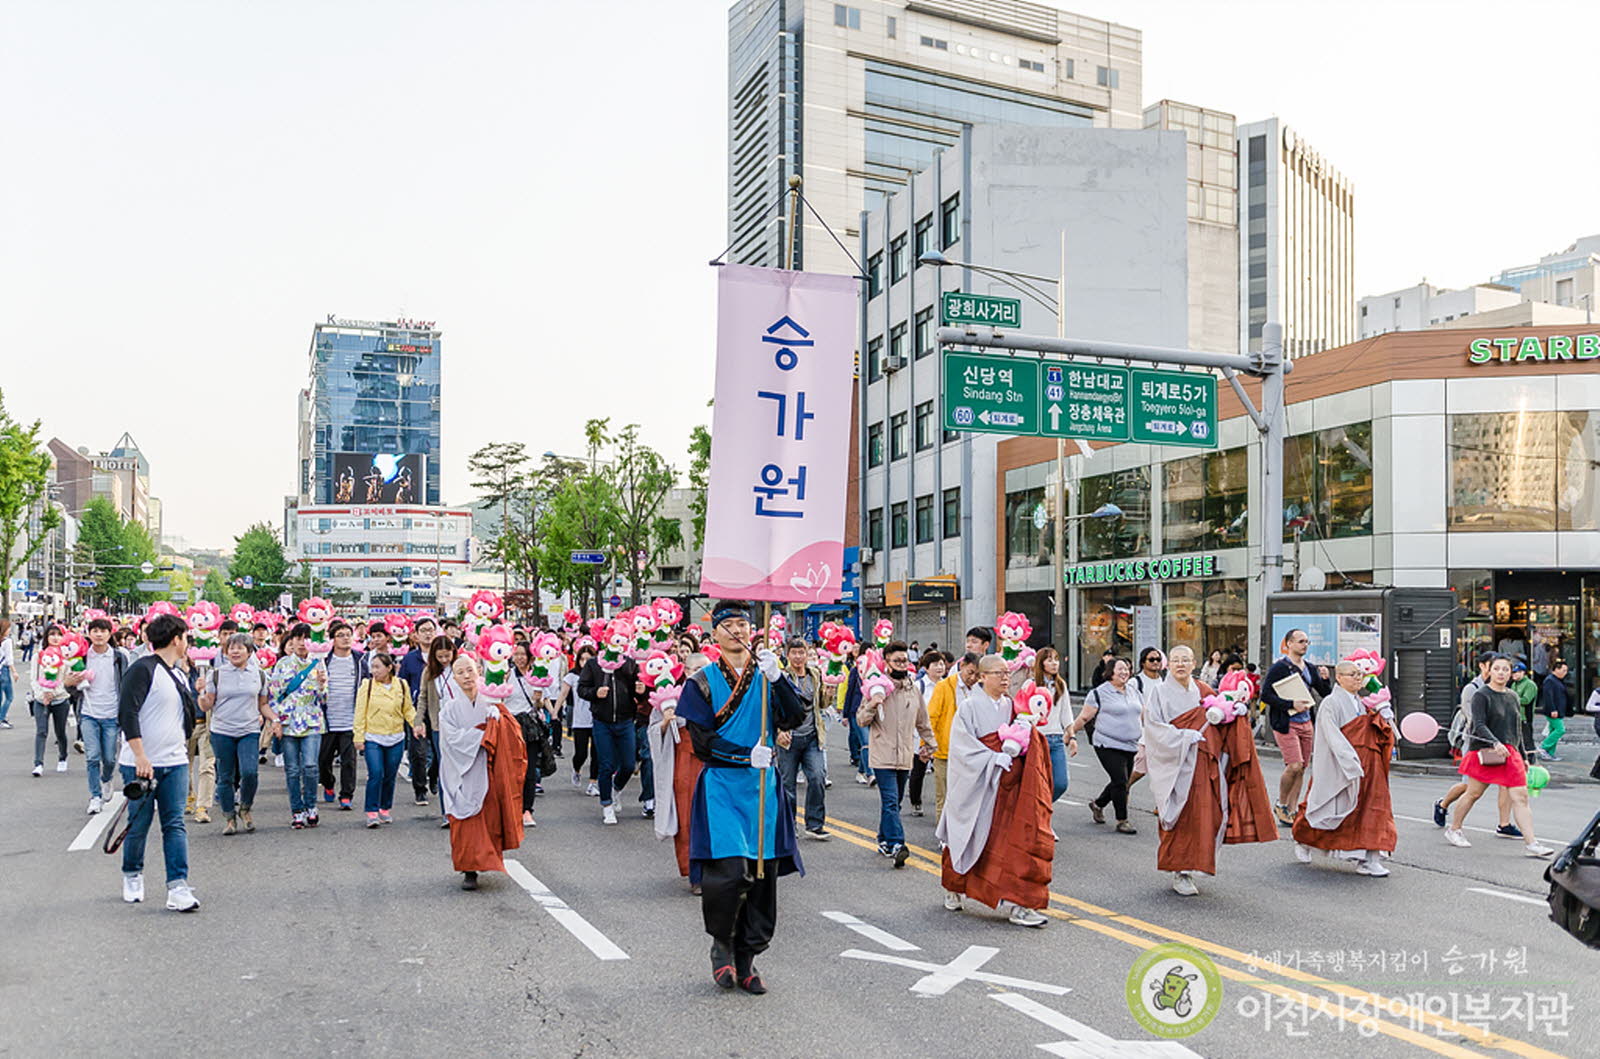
<point x="1458" y="730"/>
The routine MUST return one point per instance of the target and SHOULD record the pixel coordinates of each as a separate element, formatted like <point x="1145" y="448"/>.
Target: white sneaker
<point x="1372" y="866"/>
<point x="181" y="899"/>
<point x="594" y="789"/>
<point x="277" y="760"/>
<point x="38" y="770"/>
<point x="1302" y="853"/>
<point x="95" y="805"/>
<point x="61" y="766"/>
<point x="133" y="888"/>
<point x="952" y="901"/>
<point x="861" y="779"/>
<point x="1534" y="849"/>
<point x="608" y="814"/>
<point x="1027" y="917"/>
<point x="577" y="782"/>
<point x="1183" y="884"/>
<point x="1456" y="838"/>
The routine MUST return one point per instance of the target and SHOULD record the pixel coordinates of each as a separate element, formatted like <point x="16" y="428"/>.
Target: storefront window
<point x="1503" y="471"/>
<point x="1111" y="617"/>
<point x="1327" y="483"/>
<point x="1208" y="616"/>
<point x="1121" y="538"/>
<point x="1474" y="591"/>
<point x="1577" y="484"/>
<point x="1028" y="530"/>
<point x="1204" y="502"/>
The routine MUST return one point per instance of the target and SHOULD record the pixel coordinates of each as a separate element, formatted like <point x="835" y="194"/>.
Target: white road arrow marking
<point x="867" y="930"/>
<point x="1090" y="1042"/>
<point x="961" y="969"/>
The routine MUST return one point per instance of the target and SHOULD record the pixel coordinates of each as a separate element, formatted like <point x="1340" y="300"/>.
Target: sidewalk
<point x="1571" y="771"/>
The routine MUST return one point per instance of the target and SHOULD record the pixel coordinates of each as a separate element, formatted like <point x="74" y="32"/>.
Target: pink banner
<point x="780" y="435"/>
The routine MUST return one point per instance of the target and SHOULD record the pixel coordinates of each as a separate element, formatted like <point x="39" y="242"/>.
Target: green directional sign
<point x="1173" y="408"/>
<point x="1084" y="401"/>
<point x="989" y="394"/>
<point x="957" y="308"/>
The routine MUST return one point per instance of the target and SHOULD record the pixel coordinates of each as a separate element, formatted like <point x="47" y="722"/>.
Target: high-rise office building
<point x="369" y="418"/>
<point x="1296" y="242"/>
<point x="1213" y="208"/>
<point x="857" y="97"/>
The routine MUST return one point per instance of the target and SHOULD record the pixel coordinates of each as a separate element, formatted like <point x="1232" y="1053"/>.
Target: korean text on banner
<point x="780" y="435"/>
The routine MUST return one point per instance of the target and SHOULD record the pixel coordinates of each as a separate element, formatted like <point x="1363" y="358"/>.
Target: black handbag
<point x="1574" y="878"/>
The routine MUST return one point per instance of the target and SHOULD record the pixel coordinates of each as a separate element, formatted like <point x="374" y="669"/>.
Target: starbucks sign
<point x="1127" y="571"/>
<point x="1533" y="347"/>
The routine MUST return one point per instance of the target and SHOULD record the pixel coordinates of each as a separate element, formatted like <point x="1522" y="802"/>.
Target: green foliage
<point x="699" y="479"/>
<point x="580" y="516"/>
<point x="26" y="515"/>
<point x="218" y="590"/>
<point x="137" y="548"/>
<point x="258" y="554"/>
<point x="101" y="544"/>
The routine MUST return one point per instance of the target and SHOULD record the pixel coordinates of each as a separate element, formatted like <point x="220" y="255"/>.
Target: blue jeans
<point x="171" y="792"/>
<point x="383" y="768"/>
<point x="858" y="748"/>
<point x="1058" y="765"/>
<point x="647" y="768"/>
<point x="7" y="691"/>
<point x="805" y="753"/>
<point x="300" y="770"/>
<point x="614" y="748"/>
<point x="891" y="789"/>
<point x="100" y="746"/>
<point x="237" y="762"/>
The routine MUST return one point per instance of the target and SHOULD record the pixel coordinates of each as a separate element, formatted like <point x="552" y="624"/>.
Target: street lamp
<point x="1024" y="282"/>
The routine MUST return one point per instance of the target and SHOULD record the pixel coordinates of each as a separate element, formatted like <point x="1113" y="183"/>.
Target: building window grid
<point x="897" y="259"/>
<point x="897" y="342"/>
<point x="925" y="519"/>
<point x="899" y="530"/>
<point x="875" y="529"/>
<point x="950" y="221"/>
<point x="922" y="334"/>
<point x="922" y="241"/>
<point x="875" y="445"/>
<point x="924" y="426"/>
<point x="875" y="359"/>
<point x="952" y="512"/>
<point x="897" y="436"/>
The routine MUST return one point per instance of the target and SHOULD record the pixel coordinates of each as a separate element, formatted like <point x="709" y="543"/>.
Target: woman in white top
<point x="236" y="703"/>
<point x="7" y="652"/>
<point x="1114" y="711"/>
<point x="49" y="704"/>
<point x="582" y="727"/>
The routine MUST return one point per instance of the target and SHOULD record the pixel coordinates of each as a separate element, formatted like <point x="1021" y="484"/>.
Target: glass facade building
<point x="373" y="392"/>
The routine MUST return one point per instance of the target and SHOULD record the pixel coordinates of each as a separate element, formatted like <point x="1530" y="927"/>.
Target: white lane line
<point x="576" y="925"/>
<point x="935" y="969"/>
<point x="89" y="837"/>
<point x="1524" y="898"/>
<point x="867" y="930"/>
<point x="1090" y="1043"/>
<point x="1430" y="823"/>
<point x="956" y="971"/>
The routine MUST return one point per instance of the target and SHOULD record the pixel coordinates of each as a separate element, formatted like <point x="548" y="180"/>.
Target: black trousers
<point x="1119" y="766"/>
<point x="739" y="909"/>
<point x="342" y="745"/>
<point x="919" y="769"/>
<point x="581" y="738"/>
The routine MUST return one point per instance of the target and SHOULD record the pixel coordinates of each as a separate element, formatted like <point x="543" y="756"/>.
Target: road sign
<point x="249" y="582"/>
<point x="1173" y="408"/>
<point x="147" y="568"/>
<point x="19" y="584"/>
<point x="956" y="308"/>
<point x="1084" y="401"/>
<point x="615" y="601"/>
<point x="162" y="585"/>
<point x="87" y="584"/>
<point x="179" y="596"/>
<point x="991" y="395"/>
<point x="589" y="558"/>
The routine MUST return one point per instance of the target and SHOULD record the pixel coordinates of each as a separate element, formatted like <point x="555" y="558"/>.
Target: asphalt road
<point x="341" y="941"/>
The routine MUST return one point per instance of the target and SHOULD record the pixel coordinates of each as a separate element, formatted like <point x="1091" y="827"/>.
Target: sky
<point x="189" y="186"/>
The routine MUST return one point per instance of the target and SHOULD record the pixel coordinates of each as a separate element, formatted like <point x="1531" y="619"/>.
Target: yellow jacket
<point x="941" y="711"/>
<point x="383" y="709"/>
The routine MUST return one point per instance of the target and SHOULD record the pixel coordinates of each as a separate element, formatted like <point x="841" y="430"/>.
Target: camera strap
<point x="114" y="838"/>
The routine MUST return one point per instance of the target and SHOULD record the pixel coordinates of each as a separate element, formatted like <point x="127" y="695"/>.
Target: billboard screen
<point x="379" y="477"/>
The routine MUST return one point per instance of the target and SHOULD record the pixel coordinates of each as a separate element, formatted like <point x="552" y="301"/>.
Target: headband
<point x="728" y="611"/>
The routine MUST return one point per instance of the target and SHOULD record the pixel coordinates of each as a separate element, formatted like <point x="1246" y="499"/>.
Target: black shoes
<point x="749" y="980"/>
<point x="722" y="969"/>
<point x="901" y="853"/>
<point x="469" y="880"/>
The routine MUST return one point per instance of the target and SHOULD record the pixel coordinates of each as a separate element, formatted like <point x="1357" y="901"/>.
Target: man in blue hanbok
<point x="722" y="705"/>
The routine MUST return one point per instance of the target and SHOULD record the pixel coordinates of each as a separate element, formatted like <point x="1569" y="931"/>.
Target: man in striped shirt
<point x="344" y="677"/>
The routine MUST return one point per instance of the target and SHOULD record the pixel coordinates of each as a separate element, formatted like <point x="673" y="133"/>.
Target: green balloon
<point x="1538" y="778"/>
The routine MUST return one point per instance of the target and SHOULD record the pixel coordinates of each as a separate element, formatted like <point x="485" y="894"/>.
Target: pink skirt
<point x="1514" y="773"/>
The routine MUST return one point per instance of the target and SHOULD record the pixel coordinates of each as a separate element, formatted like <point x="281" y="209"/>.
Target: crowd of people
<point x="711" y="733"/>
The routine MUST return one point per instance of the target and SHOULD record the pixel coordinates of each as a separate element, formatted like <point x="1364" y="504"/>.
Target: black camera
<point x="138" y="787"/>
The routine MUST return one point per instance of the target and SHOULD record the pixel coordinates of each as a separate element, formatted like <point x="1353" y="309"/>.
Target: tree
<point x="27" y="516"/>
<point x="137" y="549"/>
<point x="181" y="580"/>
<point x="699" y="480"/>
<point x="218" y="591"/>
<point x="640" y="478"/>
<point x="499" y="477"/>
<point x="258" y="555"/>
<point x="101" y="544"/>
<point x="580" y="516"/>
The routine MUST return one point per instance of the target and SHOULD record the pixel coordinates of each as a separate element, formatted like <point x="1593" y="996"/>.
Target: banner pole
<point x="761" y="740"/>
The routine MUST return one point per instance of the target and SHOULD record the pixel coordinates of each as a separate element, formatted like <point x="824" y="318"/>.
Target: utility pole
<point x="1059" y="633"/>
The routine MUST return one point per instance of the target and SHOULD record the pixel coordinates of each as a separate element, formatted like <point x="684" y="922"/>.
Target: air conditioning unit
<point x="866" y="556"/>
<point x="892" y="364"/>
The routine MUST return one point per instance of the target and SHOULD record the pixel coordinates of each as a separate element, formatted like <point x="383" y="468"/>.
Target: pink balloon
<point x="1419" y="727"/>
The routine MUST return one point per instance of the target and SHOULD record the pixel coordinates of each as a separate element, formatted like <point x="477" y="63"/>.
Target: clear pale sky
<point x="188" y="187"/>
